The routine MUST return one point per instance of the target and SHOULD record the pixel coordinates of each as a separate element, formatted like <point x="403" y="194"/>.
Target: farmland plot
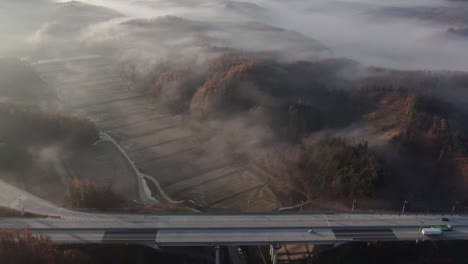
<point x="161" y="144"/>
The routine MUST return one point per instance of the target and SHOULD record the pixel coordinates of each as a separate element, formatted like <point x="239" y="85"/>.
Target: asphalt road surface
<point x="237" y="229"/>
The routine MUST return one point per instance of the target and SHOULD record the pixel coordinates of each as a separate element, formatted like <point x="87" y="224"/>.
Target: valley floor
<point x="161" y="144"/>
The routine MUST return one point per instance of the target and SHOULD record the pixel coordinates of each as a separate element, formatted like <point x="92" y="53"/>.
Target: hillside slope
<point x="389" y="135"/>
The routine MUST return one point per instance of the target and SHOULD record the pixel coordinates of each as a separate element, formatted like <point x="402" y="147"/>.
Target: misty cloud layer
<point x="394" y="34"/>
<point x="151" y="37"/>
<point x="247" y="77"/>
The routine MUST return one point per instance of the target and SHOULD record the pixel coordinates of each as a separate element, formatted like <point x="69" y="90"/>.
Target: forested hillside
<point x="359" y="132"/>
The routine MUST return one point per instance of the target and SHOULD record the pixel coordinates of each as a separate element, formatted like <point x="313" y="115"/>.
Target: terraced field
<point x="160" y="144"/>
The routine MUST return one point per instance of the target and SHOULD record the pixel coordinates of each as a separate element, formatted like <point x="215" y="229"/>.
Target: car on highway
<point x="443" y="227"/>
<point x="445" y="219"/>
<point x="431" y="232"/>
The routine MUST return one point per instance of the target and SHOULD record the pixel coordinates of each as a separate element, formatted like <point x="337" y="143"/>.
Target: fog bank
<point x="358" y="29"/>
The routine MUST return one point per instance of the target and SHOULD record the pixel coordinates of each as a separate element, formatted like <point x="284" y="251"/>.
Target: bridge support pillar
<point x="217" y="254"/>
<point x="274" y="253"/>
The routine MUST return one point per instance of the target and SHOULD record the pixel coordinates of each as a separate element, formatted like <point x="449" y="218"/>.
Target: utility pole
<point x="302" y="204"/>
<point x="404" y="206"/>
<point x="454" y="205"/>
<point x="354" y="203"/>
<point x="274" y="257"/>
<point x="217" y="254"/>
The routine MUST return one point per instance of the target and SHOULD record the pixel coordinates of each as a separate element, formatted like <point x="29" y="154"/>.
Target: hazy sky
<point x="351" y="28"/>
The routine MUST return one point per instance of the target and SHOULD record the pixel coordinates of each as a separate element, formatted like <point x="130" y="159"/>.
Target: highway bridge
<point x="274" y="229"/>
<point x="197" y="229"/>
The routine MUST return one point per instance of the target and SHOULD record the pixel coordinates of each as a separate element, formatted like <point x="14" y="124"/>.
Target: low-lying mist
<point x="403" y="35"/>
<point x="250" y="76"/>
<point x="371" y="32"/>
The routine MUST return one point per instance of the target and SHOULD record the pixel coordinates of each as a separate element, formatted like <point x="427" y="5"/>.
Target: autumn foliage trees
<point x="223" y="87"/>
<point x="21" y="246"/>
<point x="87" y="194"/>
<point x="419" y="115"/>
<point x="202" y="87"/>
<point x="428" y="121"/>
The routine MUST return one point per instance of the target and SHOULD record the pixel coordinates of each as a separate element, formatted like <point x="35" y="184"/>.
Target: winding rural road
<point x="144" y="191"/>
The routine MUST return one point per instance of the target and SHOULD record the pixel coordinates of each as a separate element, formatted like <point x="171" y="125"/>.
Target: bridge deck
<point x="240" y="229"/>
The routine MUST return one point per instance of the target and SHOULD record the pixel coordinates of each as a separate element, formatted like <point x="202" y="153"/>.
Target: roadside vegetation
<point x="21" y="246"/>
<point x="333" y="165"/>
<point x="86" y="194"/>
<point x="9" y="212"/>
